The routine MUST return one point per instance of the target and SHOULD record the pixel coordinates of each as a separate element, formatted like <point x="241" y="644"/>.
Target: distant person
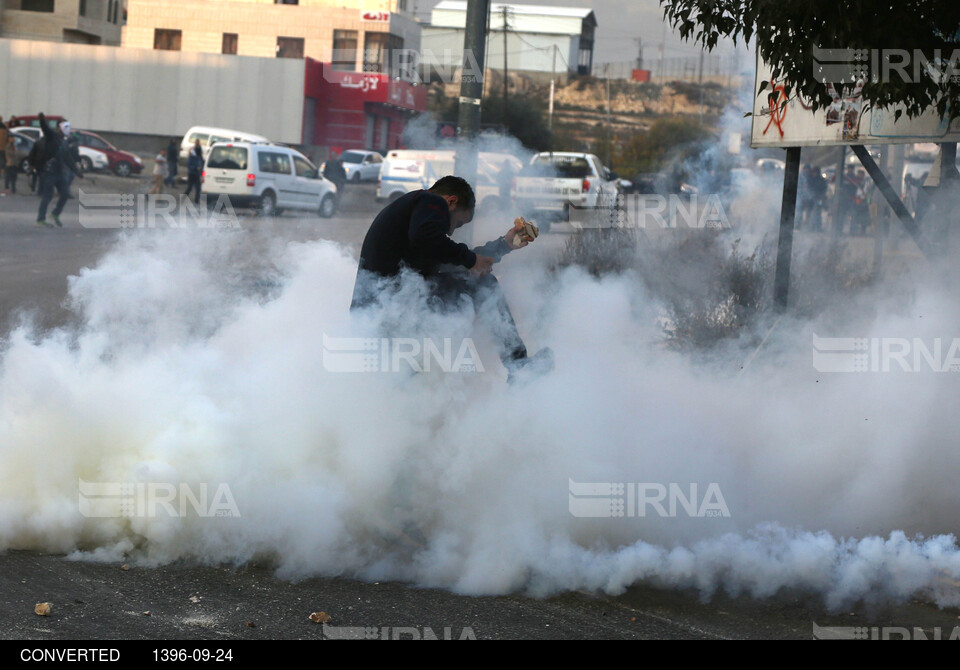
<point x="333" y="170"/>
<point x="849" y="186"/>
<point x="10" y="172"/>
<point x="35" y="163"/>
<point x="159" y="172"/>
<point x="194" y="170"/>
<point x="4" y="136"/>
<point x="73" y="147"/>
<point x="173" y="152"/>
<point x="818" y="195"/>
<point x="51" y="160"/>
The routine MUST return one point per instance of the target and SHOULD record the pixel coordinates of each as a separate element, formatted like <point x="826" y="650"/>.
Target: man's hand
<point x="522" y="233"/>
<point x="483" y="266"/>
<point x="515" y="239"/>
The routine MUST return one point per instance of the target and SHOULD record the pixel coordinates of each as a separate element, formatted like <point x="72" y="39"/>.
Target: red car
<point x="32" y="121"/>
<point x="122" y="163"/>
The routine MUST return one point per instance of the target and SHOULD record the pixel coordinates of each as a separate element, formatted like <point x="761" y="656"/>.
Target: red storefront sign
<point x="360" y="109"/>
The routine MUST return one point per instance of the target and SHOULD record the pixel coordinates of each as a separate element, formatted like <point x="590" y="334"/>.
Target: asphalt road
<point x="106" y="601"/>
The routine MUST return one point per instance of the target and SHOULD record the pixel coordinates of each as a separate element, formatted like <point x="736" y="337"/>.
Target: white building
<point x="540" y="41"/>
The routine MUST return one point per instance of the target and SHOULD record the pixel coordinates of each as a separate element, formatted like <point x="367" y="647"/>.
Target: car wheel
<point x="393" y="196"/>
<point x="268" y="204"/>
<point x="328" y="206"/>
<point x="123" y="169"/>
<point x="355" y="179"/>
<point x="86" y="164"/>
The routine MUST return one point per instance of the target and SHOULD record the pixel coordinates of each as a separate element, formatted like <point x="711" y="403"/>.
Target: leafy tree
<point x="787" y="30"/>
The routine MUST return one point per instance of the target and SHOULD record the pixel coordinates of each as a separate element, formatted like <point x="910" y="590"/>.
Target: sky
<point x="620" y="22"/>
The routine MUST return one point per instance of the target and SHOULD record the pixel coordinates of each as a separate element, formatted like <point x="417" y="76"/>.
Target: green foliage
<point x="526" y="117"/>
<point x="669" y="138"/>
<point x="786" y="33"/>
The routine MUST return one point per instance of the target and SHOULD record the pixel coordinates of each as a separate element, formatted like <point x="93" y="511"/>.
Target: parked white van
<point x="209" y="136"/>
<point x="410" y="170"/>
<point x="268" y="177"/>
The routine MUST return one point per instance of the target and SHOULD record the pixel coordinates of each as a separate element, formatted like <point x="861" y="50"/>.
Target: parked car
<point x="209" y="136"/>
<point x="553" y="183"/>
<point x="361" y="165"/>
<point x="33" y="121"/>
<point x="406" y="170"/>
<point x="121" y="163"/>
<point x="90" y="159"/>
<point x="268" y="177"/>
<point x="24" y="143"/>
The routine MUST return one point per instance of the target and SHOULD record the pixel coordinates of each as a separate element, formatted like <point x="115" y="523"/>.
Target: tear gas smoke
<point x="187" y="368"/>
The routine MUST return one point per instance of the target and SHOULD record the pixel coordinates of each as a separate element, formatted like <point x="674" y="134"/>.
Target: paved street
<point x="102" y="600"/>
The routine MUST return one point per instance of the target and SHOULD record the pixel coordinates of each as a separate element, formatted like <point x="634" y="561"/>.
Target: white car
<point x="209" y="136"/>
<point x="554" y="182"/>
<point x="90" y="159"/>
<point x="361" y="165"/>
<point x="268" y="177"/>
<point x="410" y="170"/>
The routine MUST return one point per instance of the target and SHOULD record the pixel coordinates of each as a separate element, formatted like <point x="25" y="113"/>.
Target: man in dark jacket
<point x="55" y="158"/>
<point x="194" y="170"/>
<point x="333" y="170"/>
<point x="173" y="152"/>
<point x="413" y="232"/>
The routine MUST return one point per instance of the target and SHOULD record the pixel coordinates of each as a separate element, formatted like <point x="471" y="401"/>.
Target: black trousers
<point x="193" y="182"/>
<point x="448" y="290"/>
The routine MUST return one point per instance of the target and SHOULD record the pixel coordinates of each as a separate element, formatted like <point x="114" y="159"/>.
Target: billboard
<point x="779" y="121"/>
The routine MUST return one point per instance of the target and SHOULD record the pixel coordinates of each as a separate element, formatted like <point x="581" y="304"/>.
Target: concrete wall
<point x="150" y="92"/>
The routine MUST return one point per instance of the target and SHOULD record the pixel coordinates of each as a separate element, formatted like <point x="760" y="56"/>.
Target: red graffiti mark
<point x="778" y="107"/>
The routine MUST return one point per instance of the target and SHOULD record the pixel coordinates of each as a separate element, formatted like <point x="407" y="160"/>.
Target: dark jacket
<point x="194" y="163"/>
<point x="173" y="155"/>
<point x="412" y="232"/>
<point x="333" y="170"/>
<point x="56" y="154"/>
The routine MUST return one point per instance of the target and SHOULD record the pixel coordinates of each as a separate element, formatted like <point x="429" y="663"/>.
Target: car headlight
<point x="137" y="159"/>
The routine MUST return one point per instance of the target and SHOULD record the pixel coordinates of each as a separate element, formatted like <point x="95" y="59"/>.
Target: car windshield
<point x="565" y="167"/>
<point x="352" y="157"/>
<point x="228" y="158"/>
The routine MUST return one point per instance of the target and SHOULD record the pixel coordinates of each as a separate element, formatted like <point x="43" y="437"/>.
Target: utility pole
<point x="606" y="71"/>
<point x="471" y="88"/>
<point x="700" y="85"/>
<point x="663" y="39"/>
<point x="639" y="41"/>
<point x="553" y="79"/>
<point x="506" y="81"/>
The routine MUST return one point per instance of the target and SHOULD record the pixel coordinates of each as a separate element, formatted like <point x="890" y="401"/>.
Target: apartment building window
<point x="229" y="43"/>
<point x="344" y="50"/>
<point x="289" y="47"/>
<point x="377" y="50"/>
<point x="286" y="2"/>
<point x="166" y="40"/>
<point x="83" y="7"/>
<point x="37" y="5"/>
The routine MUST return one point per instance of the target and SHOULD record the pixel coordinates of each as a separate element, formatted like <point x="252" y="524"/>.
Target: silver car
<point x="361" y="165"/>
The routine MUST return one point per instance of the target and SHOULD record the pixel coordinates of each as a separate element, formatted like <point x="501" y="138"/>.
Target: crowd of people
<point x="856" y="193"/>
<point x="166" y="166"/>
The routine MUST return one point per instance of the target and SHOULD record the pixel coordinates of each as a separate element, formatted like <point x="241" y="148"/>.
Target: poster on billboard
<point x="780" y="120"/>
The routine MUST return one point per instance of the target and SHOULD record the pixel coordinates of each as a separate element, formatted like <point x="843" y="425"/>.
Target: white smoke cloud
<point x="194" y="365"/>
